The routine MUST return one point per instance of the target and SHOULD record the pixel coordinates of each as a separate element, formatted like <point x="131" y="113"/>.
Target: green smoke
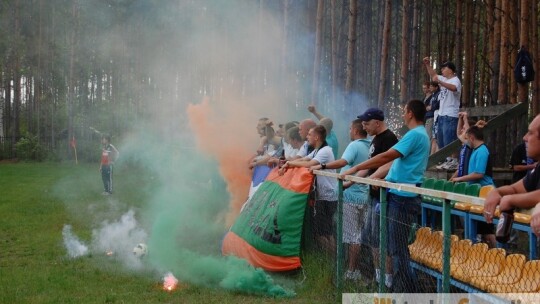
<point x="185" y="217"/>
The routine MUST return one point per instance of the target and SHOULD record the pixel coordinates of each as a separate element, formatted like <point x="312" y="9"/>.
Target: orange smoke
<point x="222" y="133"/>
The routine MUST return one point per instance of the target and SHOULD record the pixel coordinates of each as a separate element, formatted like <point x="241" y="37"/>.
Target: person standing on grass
<point x="409" y="161"/>
<point x="383" y="139"/>
<point x="326" y="187"/>
<point x="109" y="154"/>
<point x="355" y="196"/>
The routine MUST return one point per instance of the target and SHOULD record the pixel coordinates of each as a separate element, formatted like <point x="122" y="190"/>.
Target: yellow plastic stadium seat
<point x="493" y="265"/>
<point x="485" y="190"/>
<point x="483" y="193"/>
<point x="435" y="260"/>
<point x="529" y="281"/>
<point x="459" y="253"/>
<point x="462" y="206"/>
<point x="475" y="261"/>
<point x="430" y="246"/>
<point x="421" y="241"/>
<point x="522" y="218"/>
<point x="461" y="188"/>
<point x="433" y="250"/>
<point x="510" y="274"/>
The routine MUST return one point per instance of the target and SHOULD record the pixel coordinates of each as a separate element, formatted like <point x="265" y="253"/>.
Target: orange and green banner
<point x="268" y="231"/>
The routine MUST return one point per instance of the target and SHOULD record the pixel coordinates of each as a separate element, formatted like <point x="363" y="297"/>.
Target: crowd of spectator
<point x="375" y="152"/>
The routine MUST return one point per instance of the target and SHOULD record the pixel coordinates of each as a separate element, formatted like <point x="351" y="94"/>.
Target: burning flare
<point x="170" y="282"/>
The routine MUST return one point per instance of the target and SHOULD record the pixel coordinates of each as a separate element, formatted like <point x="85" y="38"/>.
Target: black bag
<point x="524" y="70"/>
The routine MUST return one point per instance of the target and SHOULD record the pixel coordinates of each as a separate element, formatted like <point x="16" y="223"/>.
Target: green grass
<point x="38" y="199"/>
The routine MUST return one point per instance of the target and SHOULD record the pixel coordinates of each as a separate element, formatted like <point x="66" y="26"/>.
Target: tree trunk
<point x="7" y="101"/>
<point x="495" y="51"/>
<point x="334" y="46"/>
<point x="404" y="51"/>
<point x="380" y="21"/>
<point x="458" y="37"/>
<point x="535" y="108"/>
<point x="483" y="85"/>
<point x="71" y="80"/>
<point x="284" y="49"/>
<point x="17" y="79"/>
<point x="351" y="47"/>
<point x="523" y="89"/>
<point x="503" y="72"/>
<point x="428" y="23"/>
<point x="513" y="47"/>
<point x="39" y="74"/>
<point x="384" y="52"/>
<point x="318" y="48"/>
<point x="415" y="71"/>
<point x="469" y="49"/>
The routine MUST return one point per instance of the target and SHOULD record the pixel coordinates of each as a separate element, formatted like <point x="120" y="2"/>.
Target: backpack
<point x="524" y="70"/>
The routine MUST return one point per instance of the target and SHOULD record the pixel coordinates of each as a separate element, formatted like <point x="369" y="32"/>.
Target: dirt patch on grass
<point x="9" y="161"/>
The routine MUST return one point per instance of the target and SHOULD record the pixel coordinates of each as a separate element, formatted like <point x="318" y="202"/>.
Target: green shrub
<point x="28" y="148"/>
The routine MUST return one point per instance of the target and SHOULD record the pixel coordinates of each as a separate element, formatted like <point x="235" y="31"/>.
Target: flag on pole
<point x="73" y="144"/>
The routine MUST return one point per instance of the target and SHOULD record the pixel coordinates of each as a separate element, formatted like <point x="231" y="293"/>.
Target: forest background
<point x="68" y="67"/>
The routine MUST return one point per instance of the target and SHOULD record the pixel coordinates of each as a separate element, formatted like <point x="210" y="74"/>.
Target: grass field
<point x="38" y="199"/>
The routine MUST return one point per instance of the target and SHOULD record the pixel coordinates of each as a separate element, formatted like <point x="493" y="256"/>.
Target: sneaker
<point x="352" y="275"/>
<point x="451" y="165"/>
<point x="105" y="193"/>
<point x="388" y="280"/>
<point x="441" y="165"/>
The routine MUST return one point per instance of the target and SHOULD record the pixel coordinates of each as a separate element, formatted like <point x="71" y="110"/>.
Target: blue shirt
<point x="410" y="167"/>
<point x="356" y="152"/>
<point x="331" y="140"/>
<point x="478" y="164"/>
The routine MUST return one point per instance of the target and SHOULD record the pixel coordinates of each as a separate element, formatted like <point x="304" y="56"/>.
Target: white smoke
<point x="117" y="238"/>
<point x="74" y="246"/>
<point x="120" y="237"/>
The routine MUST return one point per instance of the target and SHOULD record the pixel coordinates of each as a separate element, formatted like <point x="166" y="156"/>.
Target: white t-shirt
<point x="303" y="150"/>
<point x="326" y="186"/>
<point x="449" y="100"/>
<point x="290" y="151"/>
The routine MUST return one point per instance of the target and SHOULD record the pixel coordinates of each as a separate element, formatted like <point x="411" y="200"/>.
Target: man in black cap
<point x="449" y="98"/>
<point x="383" y="139"/>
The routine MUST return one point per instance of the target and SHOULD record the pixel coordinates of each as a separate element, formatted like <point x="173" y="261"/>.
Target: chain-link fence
<point x="435" y="241"/>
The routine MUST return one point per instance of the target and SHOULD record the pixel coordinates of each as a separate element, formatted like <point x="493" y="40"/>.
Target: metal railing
<point x="448" y="197"/>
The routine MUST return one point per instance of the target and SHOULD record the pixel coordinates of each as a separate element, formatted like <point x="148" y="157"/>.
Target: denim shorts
<point x="402" y="214"/>
<point x="370" y="230"/>
<point x="446" y="130"/>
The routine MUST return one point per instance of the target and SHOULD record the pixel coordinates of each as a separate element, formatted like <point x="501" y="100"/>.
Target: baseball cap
<point x="450" y="65"/>
<point x="372" y="113"/>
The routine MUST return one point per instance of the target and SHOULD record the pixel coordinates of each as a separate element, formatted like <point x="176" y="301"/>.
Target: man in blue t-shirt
<point x="355" y="196"/>
<point x="409" y="158"/>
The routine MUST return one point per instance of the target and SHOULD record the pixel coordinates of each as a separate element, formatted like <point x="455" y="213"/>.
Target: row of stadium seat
<point x="489" y="270"/>
<point x="469" y="212"/>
